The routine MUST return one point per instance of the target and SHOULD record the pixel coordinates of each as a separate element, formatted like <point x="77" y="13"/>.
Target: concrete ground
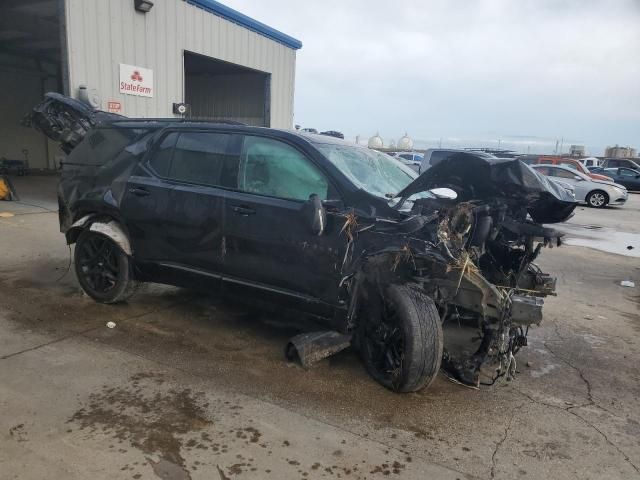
<point x="186" y="386"/>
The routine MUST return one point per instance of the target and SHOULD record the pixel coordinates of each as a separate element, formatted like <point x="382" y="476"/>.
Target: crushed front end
<point x="473" y="255"/>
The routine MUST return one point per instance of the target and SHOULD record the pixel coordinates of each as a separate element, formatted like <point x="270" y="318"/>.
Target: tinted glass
<point x="627" y="172"/>
<point x="273" y="168"/>
<point x="161" y="159"/>
<point x="206" y="159"/>
<point x="407" y="156"/>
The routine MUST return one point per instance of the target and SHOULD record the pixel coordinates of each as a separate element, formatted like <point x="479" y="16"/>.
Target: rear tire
<point x="402" y="349"/>
<point x="597" y="199"/>
<point x="104" y="271"/>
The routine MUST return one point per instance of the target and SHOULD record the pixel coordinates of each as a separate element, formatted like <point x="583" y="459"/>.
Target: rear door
<point x="269" y="243"/>
<point x="175" y="207"/>
<point x="629" y="178"/>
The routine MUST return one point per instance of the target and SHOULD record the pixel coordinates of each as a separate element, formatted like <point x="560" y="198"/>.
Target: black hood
<point x="473" y="177"/>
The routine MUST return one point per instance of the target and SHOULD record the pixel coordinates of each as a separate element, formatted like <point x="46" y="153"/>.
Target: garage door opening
<point x="217" y="90"/>
<point x="30" y="65"/>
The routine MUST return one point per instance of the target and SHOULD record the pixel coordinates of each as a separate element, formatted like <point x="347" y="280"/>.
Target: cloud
<point x="469" y="69"/>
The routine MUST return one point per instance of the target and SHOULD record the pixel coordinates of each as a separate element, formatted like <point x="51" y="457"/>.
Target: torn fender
<point x="111" y="229"/>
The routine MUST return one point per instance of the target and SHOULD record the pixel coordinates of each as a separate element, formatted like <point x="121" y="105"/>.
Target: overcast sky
<point x="527" y="72"/>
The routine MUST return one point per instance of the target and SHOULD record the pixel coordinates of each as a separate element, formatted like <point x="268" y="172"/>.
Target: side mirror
<point x="314" y="214"/>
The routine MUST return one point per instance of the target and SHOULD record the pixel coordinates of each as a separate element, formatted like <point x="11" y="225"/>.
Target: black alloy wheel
<point x="102" y="268"/>
<point x="401" y="340"/>
<point x="384" y="344"/>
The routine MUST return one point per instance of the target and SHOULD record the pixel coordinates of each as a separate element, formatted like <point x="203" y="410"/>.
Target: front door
<point x="268" y="240"/>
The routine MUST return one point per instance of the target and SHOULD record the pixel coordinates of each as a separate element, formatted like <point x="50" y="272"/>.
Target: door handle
<point x="140" y="192"/>
<point x="242" y="210"/>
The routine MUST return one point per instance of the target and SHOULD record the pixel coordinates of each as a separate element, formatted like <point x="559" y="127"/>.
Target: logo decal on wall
<point x="136" y="80"/>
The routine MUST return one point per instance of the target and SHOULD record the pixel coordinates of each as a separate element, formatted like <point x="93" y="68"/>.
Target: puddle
<point x="601" y="238"/>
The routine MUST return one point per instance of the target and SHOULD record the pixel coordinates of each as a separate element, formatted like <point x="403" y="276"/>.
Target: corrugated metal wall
<point x="101" y="34"/>
<point x="239" y="97"/>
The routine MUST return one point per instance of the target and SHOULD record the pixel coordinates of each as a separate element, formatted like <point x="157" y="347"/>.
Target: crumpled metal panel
<point x="312" y="347"/>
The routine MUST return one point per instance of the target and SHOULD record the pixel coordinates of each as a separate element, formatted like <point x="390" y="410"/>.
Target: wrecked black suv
<point x="416" y="272"/>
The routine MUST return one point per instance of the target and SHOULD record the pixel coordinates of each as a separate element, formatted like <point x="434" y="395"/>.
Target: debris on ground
<point x="111" y="324"/>
<point x="627" y="283"/>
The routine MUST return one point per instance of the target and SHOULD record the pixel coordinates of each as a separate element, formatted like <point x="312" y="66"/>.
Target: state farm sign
<point x="136" y="80"/>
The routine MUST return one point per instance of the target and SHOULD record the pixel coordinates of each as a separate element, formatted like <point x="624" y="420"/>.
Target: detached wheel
<point x="597" y="199"/>
<point x="402" y="347"/>
<point x="103" y="269"/>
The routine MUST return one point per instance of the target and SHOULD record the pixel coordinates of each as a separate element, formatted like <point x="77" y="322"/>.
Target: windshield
<point x="374" y="172"/>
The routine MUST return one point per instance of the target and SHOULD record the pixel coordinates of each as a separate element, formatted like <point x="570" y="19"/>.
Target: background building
<point x="620" y="152"/>
<point x="113" y="54"/>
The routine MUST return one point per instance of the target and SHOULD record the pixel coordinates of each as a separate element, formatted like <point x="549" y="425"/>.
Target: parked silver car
<point x="595" y="193"/>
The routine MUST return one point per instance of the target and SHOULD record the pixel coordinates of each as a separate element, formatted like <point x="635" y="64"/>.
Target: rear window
<point x="102" y="145"/>
<point x="199" y="157"/>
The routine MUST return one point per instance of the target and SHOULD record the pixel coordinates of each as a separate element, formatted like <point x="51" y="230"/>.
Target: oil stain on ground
<point x="155" y="423"/>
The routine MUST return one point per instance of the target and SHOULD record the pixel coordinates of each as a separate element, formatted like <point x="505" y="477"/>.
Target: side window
<point x="569" y="164"/>
<point x="161" y="159"/>
<point x="206" y="159"/>
<point x="625" y="172"/>
<point x="407" y="156"/>
<point x="270" y="167"/>
<point x="557" y="172"/>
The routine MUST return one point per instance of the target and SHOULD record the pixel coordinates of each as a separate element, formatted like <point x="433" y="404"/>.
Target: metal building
<point x="140" y="58"/>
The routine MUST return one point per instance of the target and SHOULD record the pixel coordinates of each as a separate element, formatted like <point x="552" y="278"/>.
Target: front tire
<point x="597" y="199"/>
<point x="104" y="271"/>
<point x="402" y="347"/>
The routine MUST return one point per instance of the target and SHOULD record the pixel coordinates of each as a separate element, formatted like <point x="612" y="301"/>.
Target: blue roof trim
<point x="234" y="16"/>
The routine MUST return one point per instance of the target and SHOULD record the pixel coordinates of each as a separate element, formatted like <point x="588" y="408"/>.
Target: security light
<point x="143" y="5"/>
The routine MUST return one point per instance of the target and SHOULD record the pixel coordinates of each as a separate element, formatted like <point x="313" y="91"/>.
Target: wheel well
<point x="104" y="224"/>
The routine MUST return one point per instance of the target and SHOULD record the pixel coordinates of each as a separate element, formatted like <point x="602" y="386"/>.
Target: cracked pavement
<point x="188" y="386"/>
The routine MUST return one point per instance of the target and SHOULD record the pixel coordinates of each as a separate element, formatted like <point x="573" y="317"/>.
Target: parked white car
<point x="595" y="193"/>
<point x="590" y="162"/>
<point x="410" y="159"/>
